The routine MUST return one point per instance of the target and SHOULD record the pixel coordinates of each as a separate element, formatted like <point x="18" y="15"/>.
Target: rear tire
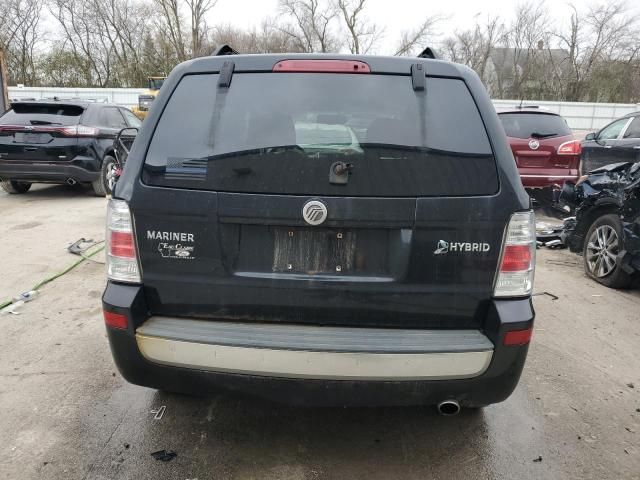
<point x="600" y="249"/>
<point x="14" y="187"/>
<point x="103" y="185"/>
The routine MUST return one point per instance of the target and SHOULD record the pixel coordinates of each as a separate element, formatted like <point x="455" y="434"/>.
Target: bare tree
<point x="25" y="37"/>
<point x="10" y="21"/>
<point x="198" y="10"/>
<point x="417" y="37"/>
<point x="171" y="22"/>
<point x="592" y="55"/>
<point x="125" y="24"/>
<point x="530" y="27"/>
<point x="362" y="34"/>
<point x="268" y="38"/>
<point x="474" y="47"/>
<point x="85" y="39"/>
<point x="607" y="33"/>
<point x="309" y="25"/>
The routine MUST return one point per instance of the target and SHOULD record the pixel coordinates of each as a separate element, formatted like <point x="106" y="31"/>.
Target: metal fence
<point x="579" y="116"/>
<point x="127" y="97"/>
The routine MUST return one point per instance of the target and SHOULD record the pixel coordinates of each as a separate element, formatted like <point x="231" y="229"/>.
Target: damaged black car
<point x="606" y="228"/>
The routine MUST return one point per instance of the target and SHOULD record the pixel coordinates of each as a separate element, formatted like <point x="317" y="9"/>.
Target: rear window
<point x="282" y="132"/>
<point x="42" y="114"/>
<point x="534" y="125"/>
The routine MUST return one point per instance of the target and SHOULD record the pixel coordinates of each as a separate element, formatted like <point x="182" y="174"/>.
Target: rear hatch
<point x="407" y="179"/>
<point x="40" y="132"/>
<point x="535" y="140"/>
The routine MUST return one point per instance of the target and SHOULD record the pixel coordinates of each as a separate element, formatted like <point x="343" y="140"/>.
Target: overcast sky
<point x="396" y="15"/>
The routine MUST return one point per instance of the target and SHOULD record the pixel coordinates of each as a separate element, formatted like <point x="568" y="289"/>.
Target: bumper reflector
<point x="115" y="320"/>
<point x="518" y="337"/>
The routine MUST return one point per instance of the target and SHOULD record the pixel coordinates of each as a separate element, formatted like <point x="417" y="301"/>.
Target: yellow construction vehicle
<point x="146" y="99"/>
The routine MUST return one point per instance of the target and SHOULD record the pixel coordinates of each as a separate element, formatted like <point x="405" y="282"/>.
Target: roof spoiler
<point x="76" y="101"/>
<point x="222" y="50"/>
<point x="428" y="53"/>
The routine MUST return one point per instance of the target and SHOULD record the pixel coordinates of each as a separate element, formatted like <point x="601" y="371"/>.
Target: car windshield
<point x="534" y="125"/>
<point x="282" y="132"/>
<point x="155" y="83"/>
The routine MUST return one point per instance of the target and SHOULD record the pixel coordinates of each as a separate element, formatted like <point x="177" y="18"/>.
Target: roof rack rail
<point x="224" y="50"/>
<point x="428" y="53"/>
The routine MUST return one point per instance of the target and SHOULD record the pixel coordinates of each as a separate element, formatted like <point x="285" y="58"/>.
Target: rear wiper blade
<point x="43" y="122"/>
<point x="543" y="135"/>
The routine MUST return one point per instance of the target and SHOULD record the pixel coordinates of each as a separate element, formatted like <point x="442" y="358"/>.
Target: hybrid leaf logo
<point x="445" y="247"/>
<point x="314" y="212"/>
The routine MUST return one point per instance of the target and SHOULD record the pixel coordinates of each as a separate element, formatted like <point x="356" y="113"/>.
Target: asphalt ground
<point x="65" y="413"/>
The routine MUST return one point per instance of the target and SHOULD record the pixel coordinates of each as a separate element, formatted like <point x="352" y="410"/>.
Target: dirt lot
<point x="66" y="413"/>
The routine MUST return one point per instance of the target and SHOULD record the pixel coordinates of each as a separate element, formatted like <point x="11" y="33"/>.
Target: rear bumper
<point x="80" y="169"/>
<point x="476" y="369"/>
<point x="554" y="179"/>
<point x="327" y="353"/>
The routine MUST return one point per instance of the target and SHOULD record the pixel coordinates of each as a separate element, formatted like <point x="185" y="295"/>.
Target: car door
<point x="630" y="144"/>
<point x="111" y="120"/>
<point x="132" y="120"/>
<point x="604" y="148"/>
<point x="126" y="137"/>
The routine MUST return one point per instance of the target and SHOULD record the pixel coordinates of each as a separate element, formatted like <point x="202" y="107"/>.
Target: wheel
<point x="103" y="185"/>
<point x="13" y="186"/>
<point x="600" y="250"/>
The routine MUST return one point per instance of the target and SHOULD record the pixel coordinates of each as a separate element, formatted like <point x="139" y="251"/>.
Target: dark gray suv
<point x="322" y="229"/>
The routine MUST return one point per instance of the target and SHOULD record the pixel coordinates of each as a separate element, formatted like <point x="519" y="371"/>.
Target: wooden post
<point x="4" y="91"/>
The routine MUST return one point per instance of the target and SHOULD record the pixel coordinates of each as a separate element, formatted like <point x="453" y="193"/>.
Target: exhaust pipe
<point x="449" y="408"/>
<point x="71" y="181"/>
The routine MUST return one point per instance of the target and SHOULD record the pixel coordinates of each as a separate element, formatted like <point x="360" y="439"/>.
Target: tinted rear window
<point x="43" y="114"/>
<point x="529" y="125"/>
<point x="282" y="132"/>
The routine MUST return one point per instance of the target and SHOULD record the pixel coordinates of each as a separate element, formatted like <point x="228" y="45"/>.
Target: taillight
<point x="515" y="258"/>
<point x="122" y="245"/>
<point x="322" y="66"/>
<point x="122" y="260"/>
<point x="79" y="131"/>
<point x="517" y="263"/>
<point x="10" y="128"/>
<point x="69" y="131"/>
<point x="572" y="147"/>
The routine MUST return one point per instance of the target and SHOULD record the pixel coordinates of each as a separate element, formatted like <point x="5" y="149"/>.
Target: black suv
<point x="322" y="229"/>
<point x="60" y="141"/>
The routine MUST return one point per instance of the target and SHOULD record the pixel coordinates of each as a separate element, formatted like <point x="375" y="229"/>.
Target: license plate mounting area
<point x="313" y="251"/>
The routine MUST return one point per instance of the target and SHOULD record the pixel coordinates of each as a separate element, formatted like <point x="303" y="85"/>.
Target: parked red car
<point x="544" y="148"/>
